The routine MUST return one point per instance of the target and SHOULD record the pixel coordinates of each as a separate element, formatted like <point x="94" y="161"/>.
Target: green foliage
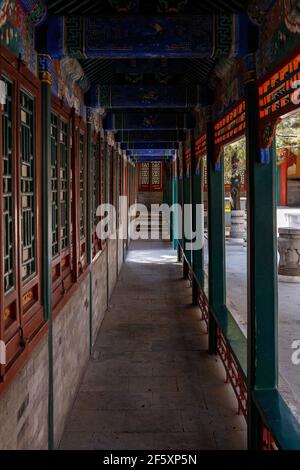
<point x="238" y="147"/>
<point x="288" y="133"/>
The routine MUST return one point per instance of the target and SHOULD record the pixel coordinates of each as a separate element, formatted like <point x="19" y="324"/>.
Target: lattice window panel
<point x="64" y="187"/>
<point x="54" y="184"/>
<point x="71" y="183"/>
<point x="96" y="181"/>
<point x="205" y="171"/>
<point x="145" y="174"/>
<point x="156" y="174"/>
<point x="103" y="169"/>
<point x="8" y="187"/>
<point x="27" y="183"/>
<point x="81" y="185"/>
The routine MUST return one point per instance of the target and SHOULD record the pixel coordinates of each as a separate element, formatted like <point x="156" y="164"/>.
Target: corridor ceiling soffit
<point x="149" y="145"/>
<point x="144" y="7"/>
<point x="148" y="121"/>
<point x="150" y="136"/>
<point x="150" y="153"/>
<point x="129" y="37"/>
<point x="148" y="72"/>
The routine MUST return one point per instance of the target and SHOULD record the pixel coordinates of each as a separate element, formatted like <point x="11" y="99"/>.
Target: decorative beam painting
<point x="278" y="95"/>
<point x="159" y="96"/>
<point x="198" y="36"/>
<point x="150" y="136"/>
<point x="151" y="159"/>
<point x="149" y="145"/>
<point x="276" y="91"/>
<point x="148" y="121"/>
<point x="150" y="152"/>
<point x="229" y="128"/>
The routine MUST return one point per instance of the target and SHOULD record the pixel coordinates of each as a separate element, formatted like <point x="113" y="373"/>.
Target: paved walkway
<point x="150" y="383"/>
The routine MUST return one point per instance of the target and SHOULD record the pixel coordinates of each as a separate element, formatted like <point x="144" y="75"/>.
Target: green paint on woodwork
<point x="283" y="425"/>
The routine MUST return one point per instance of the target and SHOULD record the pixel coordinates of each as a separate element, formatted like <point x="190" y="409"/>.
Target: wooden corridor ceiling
<point x="187" y="71"/>
<point x="144" y="7"/>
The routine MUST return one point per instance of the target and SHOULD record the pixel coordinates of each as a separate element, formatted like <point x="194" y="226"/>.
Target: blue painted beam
<point x="151" y="159"/>
<point x="148" y="121"/>
<point x="133" y="36"/>
<point x="150" y="136"/>
<point x="155" y="66"/>
<point x="157" y="96"/>
<point x="150" y="152"/>
<point x="149" y="145"/>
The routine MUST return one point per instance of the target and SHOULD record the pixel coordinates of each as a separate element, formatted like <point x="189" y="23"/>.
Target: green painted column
<point x="89" y="194"/>
<point x="216" y="239"/>
<point x="186" y="201"/>
<point x="278" y="185"/>
<point x="197" y="200"/>
<point x="46" y="89"/>
<point x="89" y="215"/>
<point x="262" y="264"/>
<point x="180" y="202"/>
<point x="174" y="202"/>
<point x="117" y="169"/>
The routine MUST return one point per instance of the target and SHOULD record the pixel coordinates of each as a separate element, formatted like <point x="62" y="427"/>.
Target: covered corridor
<point x="150" y="383"/>
<point x="119" y="335"/>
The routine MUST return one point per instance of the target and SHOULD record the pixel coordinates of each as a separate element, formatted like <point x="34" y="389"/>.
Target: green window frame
<point x="27" y="186"/>
<point x="64" y="185"/>
<point x="55" y="186"/>
<point x="81" y="186"/>
<point x="8" y="176"/>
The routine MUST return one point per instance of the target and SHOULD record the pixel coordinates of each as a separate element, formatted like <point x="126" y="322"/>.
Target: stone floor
<point x="288" y="318"/>
<point x="150" y="383"/>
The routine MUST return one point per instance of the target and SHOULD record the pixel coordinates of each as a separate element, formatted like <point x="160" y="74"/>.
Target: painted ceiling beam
<point x="148" y="121"/>
<point x="149" y="145"/>
<point x="133" y="36"/>
<point x="35" y="9"/>
<point x="139" y="96"/>
<point x="150" y="153"/>
<point x="150" y="136"/>
<point x="155" y="66"/>
<point x="151" y="159"/>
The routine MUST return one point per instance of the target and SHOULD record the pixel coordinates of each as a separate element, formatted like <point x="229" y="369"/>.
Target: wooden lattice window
<point x="150" y="176"/>
<point x="8" y="188"/>
<point x="156" y="176"/>
<point x="81" y="186"/>
<point x="61" y="185"/>
<point x="96" y="187"/>
<point x="20" y="223"/>
<point x="64" y="185"/>
<point x="96" y="180"/>
<point x="54" y="184"/>
<point x="78" y="195"/>
<point x="103" y="171"/>
<point x="27" y="194"/>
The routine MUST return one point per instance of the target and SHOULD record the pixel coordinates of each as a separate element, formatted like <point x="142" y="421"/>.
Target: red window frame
<point x="62" y="264"/>
<point x="24" y="314"/>
<point x="96" y="142"/>
<point x="150" y="187"/>
<point x="79" y="243"/>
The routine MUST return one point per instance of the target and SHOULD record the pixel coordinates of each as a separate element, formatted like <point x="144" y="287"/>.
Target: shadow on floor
<point x="150" y="383"/>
